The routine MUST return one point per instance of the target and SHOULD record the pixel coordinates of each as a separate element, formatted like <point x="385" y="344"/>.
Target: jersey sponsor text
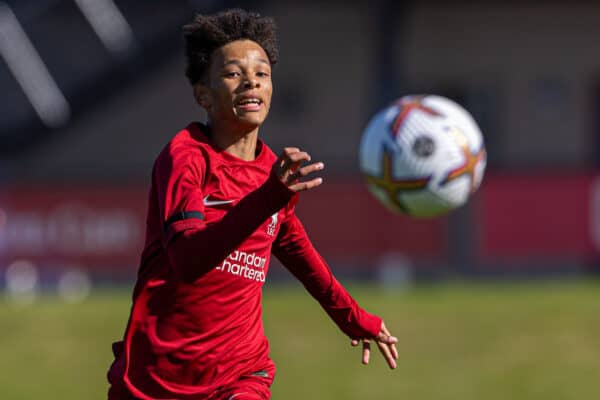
<point x="246" y="265"/>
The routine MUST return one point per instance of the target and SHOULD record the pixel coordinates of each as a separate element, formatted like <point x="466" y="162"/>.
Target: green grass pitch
<point x="457" y="341"/>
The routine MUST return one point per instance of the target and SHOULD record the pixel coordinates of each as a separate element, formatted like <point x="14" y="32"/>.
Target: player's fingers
<point x="306" y="185"/>
<point x="354" y="342"/>
<point x="384" y="329"/>
<point x="386" y="338"/>
<point x="287" y="151"/>
<point x="283" y="161"/>
<point x="309" y="169"/>
<point x="291" y="165"/>
<point x="295" y="159"/>
<point x="290" y="174"/>
<point x="385" y="335"/>
<point x="394" y="351"/>
<point x="297" y="172"/>
<point x="366" y="355"/>
<point x="387" y="354"/>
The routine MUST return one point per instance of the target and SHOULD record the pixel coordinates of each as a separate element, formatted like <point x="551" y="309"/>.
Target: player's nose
<point x="251" y="83"/>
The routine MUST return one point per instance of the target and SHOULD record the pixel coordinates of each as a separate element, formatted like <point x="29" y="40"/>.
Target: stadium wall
<point x="521" y="224"/>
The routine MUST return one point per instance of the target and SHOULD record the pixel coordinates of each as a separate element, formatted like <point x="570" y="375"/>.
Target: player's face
<point x="239" y="84"/>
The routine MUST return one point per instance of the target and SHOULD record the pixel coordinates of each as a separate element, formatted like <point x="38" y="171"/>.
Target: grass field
<point x="457" y="341"/>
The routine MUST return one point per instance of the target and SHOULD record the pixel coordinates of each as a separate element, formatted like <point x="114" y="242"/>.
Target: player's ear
<point x="202" y="95"/>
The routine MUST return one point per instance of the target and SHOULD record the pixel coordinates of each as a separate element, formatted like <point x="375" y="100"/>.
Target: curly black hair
<point x="207" y="33"/>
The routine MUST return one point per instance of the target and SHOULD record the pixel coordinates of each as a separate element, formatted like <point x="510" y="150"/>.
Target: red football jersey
<point x="196" y="321"/>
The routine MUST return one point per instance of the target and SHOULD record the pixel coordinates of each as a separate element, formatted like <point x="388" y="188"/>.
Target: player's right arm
<point x="194" y="248"/>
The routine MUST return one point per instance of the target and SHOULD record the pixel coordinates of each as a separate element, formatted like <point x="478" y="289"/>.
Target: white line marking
<point x="109" y="24"/>
<point x="30" y="71"/>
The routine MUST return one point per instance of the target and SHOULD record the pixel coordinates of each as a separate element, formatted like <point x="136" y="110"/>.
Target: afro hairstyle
<point x="206" y="33"/>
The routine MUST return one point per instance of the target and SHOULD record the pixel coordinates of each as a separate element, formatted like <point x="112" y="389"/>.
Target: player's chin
<point x="252" y="119"/>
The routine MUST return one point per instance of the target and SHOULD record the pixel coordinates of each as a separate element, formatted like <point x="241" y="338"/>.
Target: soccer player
<point x="220" y="203"/>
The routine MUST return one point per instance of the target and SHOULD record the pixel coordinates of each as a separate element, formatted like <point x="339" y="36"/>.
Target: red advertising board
<point x="344" y="220"/>
<point x="517" y="219"/>
<point x="91" y="227"/>
<point x="532" y="217"/>
<point x="104" y="227"/>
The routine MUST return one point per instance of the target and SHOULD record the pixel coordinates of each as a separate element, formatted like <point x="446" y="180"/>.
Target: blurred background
<point x="91" y="90"/>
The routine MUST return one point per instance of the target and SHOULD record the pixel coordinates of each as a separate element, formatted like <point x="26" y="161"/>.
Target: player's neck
<point x="240" y="142"/>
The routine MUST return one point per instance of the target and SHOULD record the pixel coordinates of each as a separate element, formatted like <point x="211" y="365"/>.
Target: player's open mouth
<point x="249" y="104"/>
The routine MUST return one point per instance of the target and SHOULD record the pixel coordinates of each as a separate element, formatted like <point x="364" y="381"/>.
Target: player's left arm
<point x="295" y="251"/>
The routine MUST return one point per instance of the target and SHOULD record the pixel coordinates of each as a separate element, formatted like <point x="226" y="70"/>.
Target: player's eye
<point x="231" y="74"/>
<point x="262" y="74"/>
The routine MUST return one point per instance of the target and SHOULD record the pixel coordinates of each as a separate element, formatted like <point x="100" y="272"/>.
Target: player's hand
<point x="386" y="343"/>
<point x="288" y="168"/>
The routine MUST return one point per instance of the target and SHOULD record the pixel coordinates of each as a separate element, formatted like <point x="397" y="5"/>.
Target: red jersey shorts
<point x="251" y="387"/>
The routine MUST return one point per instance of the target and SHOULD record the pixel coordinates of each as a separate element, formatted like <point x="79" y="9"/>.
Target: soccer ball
<point x="422" y="156"/>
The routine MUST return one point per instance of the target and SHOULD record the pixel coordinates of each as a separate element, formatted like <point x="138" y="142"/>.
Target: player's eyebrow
<point x="238" y="62"/>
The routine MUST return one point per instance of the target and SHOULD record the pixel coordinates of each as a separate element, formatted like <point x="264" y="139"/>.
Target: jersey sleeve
<point x="178" y="180"/>
<point x="193" y="247"/>
<point x="295" y="251"/>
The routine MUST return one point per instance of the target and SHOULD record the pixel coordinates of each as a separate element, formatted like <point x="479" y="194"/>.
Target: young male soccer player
<point x="220" y="203"/>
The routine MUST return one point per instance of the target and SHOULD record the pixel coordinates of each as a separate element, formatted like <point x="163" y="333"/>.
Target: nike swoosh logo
<point x="209" y="203"/>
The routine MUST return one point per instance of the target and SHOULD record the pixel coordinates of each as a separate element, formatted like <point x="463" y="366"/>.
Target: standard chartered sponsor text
<point x="246" y="265"/>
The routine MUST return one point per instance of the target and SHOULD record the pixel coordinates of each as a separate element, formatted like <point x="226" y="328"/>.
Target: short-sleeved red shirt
<point x="196" y="319"/>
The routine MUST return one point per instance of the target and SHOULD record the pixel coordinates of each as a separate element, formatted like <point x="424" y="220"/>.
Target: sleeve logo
<point x="272" y="225"/>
